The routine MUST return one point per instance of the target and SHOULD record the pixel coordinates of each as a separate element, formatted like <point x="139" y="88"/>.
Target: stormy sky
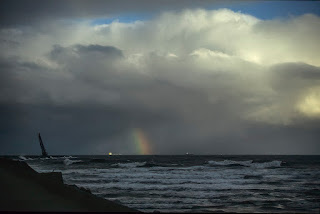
<point x="204" y="77"/>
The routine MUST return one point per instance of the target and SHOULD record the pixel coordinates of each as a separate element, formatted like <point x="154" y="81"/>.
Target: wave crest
<point x="274" y="163"/>
<point x="128" y="165"/>
<point x="230" y="163"/>
<point x="68" y="162"/>
<point x="248" y="163"/>
<point x="21" y="157"/>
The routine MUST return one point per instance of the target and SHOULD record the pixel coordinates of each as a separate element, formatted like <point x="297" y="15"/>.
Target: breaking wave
<point x="45" y="158"/>
<point x="248" y="163"/>
<point x="274" y="163"/>
<point x="230" y="163"/>
<point x="24" y="158"/>
<point x="69" y="157"/>
<point x="68" y="162"/>
<point x="128" y="165"/>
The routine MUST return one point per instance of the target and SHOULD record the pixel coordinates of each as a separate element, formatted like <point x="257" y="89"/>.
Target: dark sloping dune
<point x="23" y="189"/>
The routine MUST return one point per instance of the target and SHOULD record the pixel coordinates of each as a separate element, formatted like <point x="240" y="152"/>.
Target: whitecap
<point x="274" y="163"/>
<point x="248" y="163"/>
<point x="68" y="162"/>
<point x="129" y="165"/>
<point x="21" y="157"/>
<point x="230" y="162"/>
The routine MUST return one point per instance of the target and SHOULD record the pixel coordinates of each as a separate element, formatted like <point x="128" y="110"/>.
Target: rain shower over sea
<point x="192" y="183"/>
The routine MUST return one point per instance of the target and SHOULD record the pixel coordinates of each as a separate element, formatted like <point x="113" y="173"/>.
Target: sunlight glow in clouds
<point x="310" y="105"/>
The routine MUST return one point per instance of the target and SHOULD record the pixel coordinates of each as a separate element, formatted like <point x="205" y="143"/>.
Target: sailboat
<point x="44" y="152"/>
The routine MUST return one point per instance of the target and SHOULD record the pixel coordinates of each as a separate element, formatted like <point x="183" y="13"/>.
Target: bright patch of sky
<point x="259" y="9"/>
<point x="275" y="9"/>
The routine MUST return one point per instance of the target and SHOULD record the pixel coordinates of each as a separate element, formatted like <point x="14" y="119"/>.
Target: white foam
<point x="69" y="157"/>
<point x="68" y="162"/>
<point x="249" y="163"/>
<point x="53" y="158"/>
<point x="24" y="158"/>
<point x="46" y="158"/>
<point x="274" y="163"/>
<point x="129" y="165"/>
<point x="229" y="162"/>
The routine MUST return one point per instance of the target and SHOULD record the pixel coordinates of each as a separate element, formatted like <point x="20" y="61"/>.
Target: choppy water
<point x="195" y="183"/>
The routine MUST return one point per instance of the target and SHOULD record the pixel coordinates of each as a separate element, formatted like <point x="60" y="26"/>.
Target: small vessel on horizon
<point x="44" y="152"/>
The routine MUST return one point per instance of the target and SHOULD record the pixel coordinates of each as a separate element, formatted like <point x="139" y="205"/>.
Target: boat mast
<point x="44" y="152"/>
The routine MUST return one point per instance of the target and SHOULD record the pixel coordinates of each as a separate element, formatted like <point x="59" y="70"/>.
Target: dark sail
<point x="44" y="152"/>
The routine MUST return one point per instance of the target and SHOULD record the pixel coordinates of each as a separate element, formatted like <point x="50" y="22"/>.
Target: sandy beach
<point x="23" y="189"/>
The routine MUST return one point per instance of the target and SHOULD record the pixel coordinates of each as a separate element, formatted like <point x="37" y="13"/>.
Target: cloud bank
<point x="203" y="81"/>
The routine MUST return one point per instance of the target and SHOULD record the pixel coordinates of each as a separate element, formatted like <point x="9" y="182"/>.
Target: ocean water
<point x="191" y="183"/>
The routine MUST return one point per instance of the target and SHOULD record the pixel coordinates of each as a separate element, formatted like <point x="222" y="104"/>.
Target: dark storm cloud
<point x="10" y="84"/>
<point x="33" y="100"/>
<point x="73" y="124"/>
<point x="33" y="82"/>
<point x="77" y="115"/>
<point x="279" y="139"/>
<point x="69" y="129"/>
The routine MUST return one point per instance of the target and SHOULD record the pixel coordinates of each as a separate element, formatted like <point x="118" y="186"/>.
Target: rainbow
<point x="141" y="142"/>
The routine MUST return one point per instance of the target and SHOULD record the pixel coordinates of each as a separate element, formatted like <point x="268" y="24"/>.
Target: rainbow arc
<point x="141" y="142"/>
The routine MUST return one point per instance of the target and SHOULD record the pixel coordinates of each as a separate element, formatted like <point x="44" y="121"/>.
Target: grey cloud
<point x="109" y="50"/>
<point x="60" y="52"/>
<point x="300" y="71"/>
<point x="292" y="85"/>
<point x="294" y="78"/>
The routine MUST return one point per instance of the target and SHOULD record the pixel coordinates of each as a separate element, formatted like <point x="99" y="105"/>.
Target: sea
<point x="192" y="183"/>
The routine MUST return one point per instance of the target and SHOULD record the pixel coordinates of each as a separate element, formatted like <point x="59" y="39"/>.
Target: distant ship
<point x="44" y="152"/>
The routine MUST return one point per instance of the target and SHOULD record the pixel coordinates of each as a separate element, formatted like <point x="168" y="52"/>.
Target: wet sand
<point x="23" y="189"/>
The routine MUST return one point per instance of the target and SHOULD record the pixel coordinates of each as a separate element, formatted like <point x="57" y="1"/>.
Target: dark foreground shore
<point x="23" y="189"/>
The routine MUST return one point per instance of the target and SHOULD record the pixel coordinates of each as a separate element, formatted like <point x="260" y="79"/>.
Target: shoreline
<point x="24" y="189"/>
